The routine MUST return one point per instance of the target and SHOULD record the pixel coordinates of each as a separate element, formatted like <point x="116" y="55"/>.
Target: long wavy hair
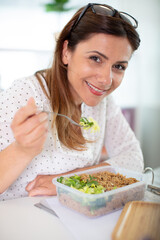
<point x="60" y="95"/>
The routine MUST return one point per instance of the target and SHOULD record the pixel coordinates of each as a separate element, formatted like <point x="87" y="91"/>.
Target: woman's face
<point x="96" y="67"/>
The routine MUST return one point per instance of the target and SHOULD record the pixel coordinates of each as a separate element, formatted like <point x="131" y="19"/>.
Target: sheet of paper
<point x="81" y="226"/>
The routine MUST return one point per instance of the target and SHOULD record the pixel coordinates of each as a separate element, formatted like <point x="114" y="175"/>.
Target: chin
<point x="92" y="103"/>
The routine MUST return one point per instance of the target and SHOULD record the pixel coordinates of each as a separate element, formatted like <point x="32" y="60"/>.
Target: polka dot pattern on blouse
<point x="122" y="147"/>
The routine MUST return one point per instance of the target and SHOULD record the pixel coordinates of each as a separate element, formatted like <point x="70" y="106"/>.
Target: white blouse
<point x="122" y="147"/>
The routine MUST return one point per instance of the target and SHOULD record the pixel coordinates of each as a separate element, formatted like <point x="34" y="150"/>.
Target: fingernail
<point x="30" y="186"/>
<point x="43" y="117"/>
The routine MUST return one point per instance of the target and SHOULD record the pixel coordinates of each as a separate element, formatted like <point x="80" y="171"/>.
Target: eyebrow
<point x="101" y="54"/>
<point x="104" y="56"/>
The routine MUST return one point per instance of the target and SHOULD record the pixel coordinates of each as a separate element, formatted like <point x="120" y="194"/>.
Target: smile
<point x="95" y="89"/>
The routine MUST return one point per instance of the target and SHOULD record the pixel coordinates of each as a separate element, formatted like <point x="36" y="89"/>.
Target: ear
<point x="65" y="52"/>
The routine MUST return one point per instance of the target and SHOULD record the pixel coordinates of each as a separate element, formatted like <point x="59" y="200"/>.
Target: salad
<point x="89" y="123"/>
<point x="89" y="186"/>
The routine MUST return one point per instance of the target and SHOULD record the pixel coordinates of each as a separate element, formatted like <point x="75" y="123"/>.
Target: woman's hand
<point x="42" y="185"/>
<point x="30" y="129"/>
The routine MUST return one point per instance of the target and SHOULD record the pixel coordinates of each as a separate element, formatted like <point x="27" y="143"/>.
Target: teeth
<point x="94" y="88"/>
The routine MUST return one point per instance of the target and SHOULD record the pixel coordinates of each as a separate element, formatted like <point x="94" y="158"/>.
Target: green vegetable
<point x="86" y="123"/>
<point x="90" y="186"/>
<point x="89" y="123"/>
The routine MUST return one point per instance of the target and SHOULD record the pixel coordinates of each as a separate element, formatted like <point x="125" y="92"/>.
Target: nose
<point x="105" y="76"/>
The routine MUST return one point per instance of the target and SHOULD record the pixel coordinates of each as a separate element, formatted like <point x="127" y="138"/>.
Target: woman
<point x="91" y="56"/>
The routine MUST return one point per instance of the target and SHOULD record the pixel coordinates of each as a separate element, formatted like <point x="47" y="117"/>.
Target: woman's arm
<point x="42" y="184"/>
<point x="30" y="131"/>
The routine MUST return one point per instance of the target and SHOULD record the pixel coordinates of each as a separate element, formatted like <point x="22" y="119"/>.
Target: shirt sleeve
<point x="120" y="141"/>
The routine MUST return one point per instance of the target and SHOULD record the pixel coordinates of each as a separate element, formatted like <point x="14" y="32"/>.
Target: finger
<point x="25" y="112"/>
<point x="36" y="120"/>
<point x="31" y="124"/>
<point x="39" y="134"/>
<point x="42" y="191"/>
<point x="33" y="148"/>
<point x="30" y="185"/>
<point x="33" y="183"/>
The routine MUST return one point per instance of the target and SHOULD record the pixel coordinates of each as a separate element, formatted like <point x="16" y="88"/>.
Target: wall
<point x="27" y="41"/>
<point x="149" y="101"/>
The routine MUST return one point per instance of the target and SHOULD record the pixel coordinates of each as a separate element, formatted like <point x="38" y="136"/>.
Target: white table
<point x="21" y="220"/>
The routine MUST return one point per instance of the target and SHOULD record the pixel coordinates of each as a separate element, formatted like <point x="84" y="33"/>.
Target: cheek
<point x="71" y="77"/>
<point x="117" y="81"/>
<point x="80" y="66"/>
<point x="115" y="84"/>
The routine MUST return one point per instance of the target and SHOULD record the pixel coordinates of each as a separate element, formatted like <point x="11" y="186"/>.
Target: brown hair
<point x="56" y="77"/>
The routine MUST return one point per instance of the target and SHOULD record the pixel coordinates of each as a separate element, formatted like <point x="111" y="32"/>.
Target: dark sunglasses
<point x="106" y="10"/>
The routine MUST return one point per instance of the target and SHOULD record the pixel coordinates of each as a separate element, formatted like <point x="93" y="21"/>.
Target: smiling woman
<point x="96" y="73"/>
<point x="91" y="55"/>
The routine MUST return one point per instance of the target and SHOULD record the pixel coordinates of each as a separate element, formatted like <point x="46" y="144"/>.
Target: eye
<point x="95" y="58"/>
<point x="120" y="67"/>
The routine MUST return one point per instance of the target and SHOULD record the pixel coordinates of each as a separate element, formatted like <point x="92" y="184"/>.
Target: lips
<point x="95" y="90"/>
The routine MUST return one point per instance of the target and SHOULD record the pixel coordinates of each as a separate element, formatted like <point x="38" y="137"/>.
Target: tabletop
<point x="20" y="219"/>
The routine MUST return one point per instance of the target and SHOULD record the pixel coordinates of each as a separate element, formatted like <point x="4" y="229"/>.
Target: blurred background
<point x="27" y="40"/>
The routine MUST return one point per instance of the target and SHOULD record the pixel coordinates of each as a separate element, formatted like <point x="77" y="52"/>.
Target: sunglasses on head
<point x="106" y="10"/>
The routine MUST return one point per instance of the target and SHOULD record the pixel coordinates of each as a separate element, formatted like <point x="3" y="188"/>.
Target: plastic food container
<point x="93" y="205"/>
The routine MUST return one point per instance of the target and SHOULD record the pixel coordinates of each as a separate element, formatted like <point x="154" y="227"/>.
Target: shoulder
<point x="21" y="84"/>
<point x="29" y="82"/>
<point x="21" y="90"/>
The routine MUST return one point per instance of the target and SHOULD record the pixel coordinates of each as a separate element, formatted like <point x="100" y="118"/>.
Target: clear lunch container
<point x="93" y="205"/>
